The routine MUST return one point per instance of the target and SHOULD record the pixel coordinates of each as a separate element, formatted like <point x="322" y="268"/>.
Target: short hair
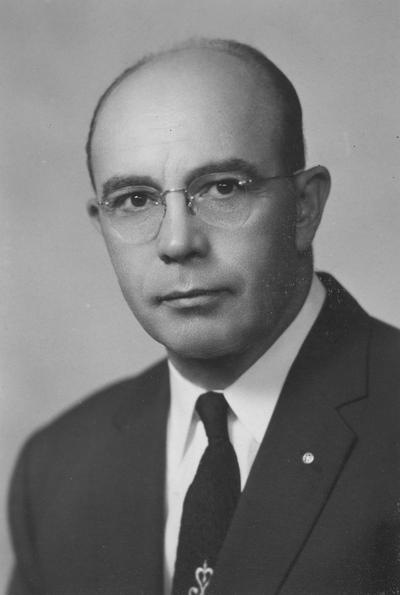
<point x="292" y="146"/>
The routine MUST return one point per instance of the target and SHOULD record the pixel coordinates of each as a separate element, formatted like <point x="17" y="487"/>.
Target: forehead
<point x="193" y="106"/>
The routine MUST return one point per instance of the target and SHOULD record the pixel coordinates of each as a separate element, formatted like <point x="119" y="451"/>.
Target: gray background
<point x="65" y="329"/>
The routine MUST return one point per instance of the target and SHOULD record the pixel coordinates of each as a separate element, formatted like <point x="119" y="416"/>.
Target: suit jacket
<point x="87" y="499"/>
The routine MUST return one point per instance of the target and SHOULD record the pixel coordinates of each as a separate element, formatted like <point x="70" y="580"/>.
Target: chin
<point x="206" y="343"/>
<point x="201" y="351"/>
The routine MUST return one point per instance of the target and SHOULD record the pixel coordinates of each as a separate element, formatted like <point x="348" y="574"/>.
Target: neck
<point x="220" y="372"/>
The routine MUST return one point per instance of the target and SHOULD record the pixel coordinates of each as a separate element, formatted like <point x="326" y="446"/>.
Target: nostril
<point x="166" y="259"/>
<point x="181" y="240"/>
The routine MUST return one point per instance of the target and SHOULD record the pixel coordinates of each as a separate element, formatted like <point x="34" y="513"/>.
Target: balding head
<point x="267" y="93"/>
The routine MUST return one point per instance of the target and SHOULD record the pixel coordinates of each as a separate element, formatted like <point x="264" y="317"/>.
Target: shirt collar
<point x="253" y="396"/>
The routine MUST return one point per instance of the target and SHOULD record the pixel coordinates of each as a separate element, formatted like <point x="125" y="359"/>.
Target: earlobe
<point x="312" y="187"/>
<point x="92" y="209"/>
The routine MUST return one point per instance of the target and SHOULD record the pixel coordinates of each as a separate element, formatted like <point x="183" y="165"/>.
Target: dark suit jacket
<point x="87" y="499"/>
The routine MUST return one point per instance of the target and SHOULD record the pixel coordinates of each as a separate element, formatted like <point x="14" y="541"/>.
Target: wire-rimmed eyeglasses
<point x="221" y="199"/>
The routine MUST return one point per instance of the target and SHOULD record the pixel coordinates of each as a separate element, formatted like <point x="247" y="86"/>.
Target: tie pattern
<point x="210" y="502"/>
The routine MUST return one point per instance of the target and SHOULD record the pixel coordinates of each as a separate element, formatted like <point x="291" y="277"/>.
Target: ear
<point x="312" y="187"/>
<point x="93" y="211"/>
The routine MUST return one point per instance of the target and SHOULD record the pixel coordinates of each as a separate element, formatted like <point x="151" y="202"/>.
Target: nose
<point x="181" y="236"/>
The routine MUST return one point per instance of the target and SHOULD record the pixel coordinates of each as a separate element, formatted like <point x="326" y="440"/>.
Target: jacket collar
<point x="138" y="515"/>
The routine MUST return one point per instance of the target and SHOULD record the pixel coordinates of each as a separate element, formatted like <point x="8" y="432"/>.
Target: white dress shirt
<point x="252" y="399"/>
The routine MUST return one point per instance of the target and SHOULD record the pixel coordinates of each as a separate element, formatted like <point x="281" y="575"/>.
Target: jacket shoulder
<point x="385" y="337"/>
<point x="93" y="415"/>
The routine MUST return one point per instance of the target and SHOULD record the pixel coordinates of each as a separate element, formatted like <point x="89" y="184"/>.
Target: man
<point x="197" y="160"/>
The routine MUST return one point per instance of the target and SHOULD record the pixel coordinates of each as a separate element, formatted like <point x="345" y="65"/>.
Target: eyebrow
<point x="117" y="182"/>
<point x="227" y="165"/>
<point x="212" y="167"/>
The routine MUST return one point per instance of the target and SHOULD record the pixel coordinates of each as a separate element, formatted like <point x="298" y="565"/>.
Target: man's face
<point x="232" y="287"/>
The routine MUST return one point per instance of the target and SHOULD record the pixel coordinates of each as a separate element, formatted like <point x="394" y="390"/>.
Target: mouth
<point x="192" y="298"/>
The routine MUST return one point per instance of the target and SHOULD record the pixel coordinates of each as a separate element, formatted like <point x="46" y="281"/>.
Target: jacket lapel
<point x="138" y="501"/>
<point x="285" y="494"/>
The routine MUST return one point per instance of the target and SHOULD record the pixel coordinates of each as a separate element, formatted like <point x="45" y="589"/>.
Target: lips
<point x="191" y="298"/>
<point x="177" y="295"/>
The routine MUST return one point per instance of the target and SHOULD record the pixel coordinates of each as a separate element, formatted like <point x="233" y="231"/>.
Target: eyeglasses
<point x="222" y="200"/>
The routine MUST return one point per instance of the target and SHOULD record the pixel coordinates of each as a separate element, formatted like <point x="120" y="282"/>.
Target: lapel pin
<point x="308" y="458"/>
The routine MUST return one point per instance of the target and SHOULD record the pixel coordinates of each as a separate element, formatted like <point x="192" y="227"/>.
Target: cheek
<point x="130" y="265"/>
<point x="264" y="252"/>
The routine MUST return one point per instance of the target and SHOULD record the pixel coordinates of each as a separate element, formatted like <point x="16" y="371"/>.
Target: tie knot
<point x="212" y="409"/>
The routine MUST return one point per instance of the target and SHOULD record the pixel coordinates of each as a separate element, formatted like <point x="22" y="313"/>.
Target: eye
<point x="136" y="199"/>
<point x="133" y="201"/>
<point x="227" y="186"/>
<point x="223" y="188"/>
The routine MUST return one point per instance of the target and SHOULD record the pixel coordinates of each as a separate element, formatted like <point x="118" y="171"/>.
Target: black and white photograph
<point x="199" y="314"/>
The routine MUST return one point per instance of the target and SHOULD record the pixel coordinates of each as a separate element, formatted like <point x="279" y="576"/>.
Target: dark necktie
<point x="209" y="502"/>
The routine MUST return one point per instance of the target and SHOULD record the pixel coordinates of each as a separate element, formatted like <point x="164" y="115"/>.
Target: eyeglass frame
<point x="185" y="189"/>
